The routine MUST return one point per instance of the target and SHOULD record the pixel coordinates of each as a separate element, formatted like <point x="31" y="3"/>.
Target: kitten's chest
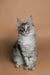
<point x="26" y="43"/>
<point x="25" y="40"/>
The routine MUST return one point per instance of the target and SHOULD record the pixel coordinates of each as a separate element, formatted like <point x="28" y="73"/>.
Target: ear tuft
<point x="19" y="21"/>
<point x="30" y="21"/>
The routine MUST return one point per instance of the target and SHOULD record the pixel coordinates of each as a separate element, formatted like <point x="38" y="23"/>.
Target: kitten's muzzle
<point x="25" y="31"/>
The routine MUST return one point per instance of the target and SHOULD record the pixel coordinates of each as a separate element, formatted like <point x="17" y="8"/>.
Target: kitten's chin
<point x="25" y="33"/>
<point x="21" y="34"/>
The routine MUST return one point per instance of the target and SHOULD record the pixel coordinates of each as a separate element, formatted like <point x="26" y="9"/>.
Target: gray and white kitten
<point x="24" y="50"/>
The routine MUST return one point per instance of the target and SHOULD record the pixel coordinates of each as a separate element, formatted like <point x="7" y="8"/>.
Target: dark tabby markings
<point x="34" y="48"/>
<point x="34" y="35"/>
<point x="29" y="57"/>
<point x="24" y="23"/>
<point x="32" y="24"/>
<point x="15" y="45"/>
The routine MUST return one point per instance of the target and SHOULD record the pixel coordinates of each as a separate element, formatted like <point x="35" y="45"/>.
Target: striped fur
<point x="25" y="55"/>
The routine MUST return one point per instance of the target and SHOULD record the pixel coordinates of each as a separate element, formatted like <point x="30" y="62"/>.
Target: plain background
<point x="9" y="11"/>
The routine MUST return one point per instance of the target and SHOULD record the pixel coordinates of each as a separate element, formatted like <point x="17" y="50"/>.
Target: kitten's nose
<point x="25" y="31"/>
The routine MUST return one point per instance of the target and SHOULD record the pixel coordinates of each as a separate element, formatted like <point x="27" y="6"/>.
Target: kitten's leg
<point x="18" y="61"/>
<point x="32" y="61"/>
<point x="26" y="62"/>
<point x="17" y="58"/>
<point x="17" y="65"/>
<point x="31" y="64"/>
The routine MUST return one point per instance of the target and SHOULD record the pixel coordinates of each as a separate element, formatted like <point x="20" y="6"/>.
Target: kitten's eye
<point x="22" y="28"/>
<point x="28" y="27"/>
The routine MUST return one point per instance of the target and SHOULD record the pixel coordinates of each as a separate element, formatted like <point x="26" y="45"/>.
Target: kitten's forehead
<point x="25" y="24"/>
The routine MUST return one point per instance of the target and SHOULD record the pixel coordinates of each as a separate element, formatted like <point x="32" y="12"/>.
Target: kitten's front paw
<point x="31" y="69"/>
<point x="25" y="67"/>
<point x="17" y="66"/>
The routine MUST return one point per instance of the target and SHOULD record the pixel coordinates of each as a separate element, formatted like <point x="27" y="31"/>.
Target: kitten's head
<point x="24" y="28"/>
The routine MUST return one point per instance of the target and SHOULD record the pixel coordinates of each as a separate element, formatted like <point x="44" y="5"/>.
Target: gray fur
<point x="27" y="42"/>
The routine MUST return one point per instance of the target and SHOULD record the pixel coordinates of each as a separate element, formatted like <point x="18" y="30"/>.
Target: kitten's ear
<point x="30" y="21"/>
<point x="19" y="22"/>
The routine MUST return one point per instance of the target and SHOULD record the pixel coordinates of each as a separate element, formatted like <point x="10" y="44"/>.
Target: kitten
<point x="24" y="50"/>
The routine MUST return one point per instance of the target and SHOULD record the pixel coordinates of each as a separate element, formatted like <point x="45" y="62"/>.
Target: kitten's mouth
<point x="25" y="33"/>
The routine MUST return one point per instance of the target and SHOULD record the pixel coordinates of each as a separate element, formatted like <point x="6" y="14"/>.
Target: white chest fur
<point x="27" y="43"/>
